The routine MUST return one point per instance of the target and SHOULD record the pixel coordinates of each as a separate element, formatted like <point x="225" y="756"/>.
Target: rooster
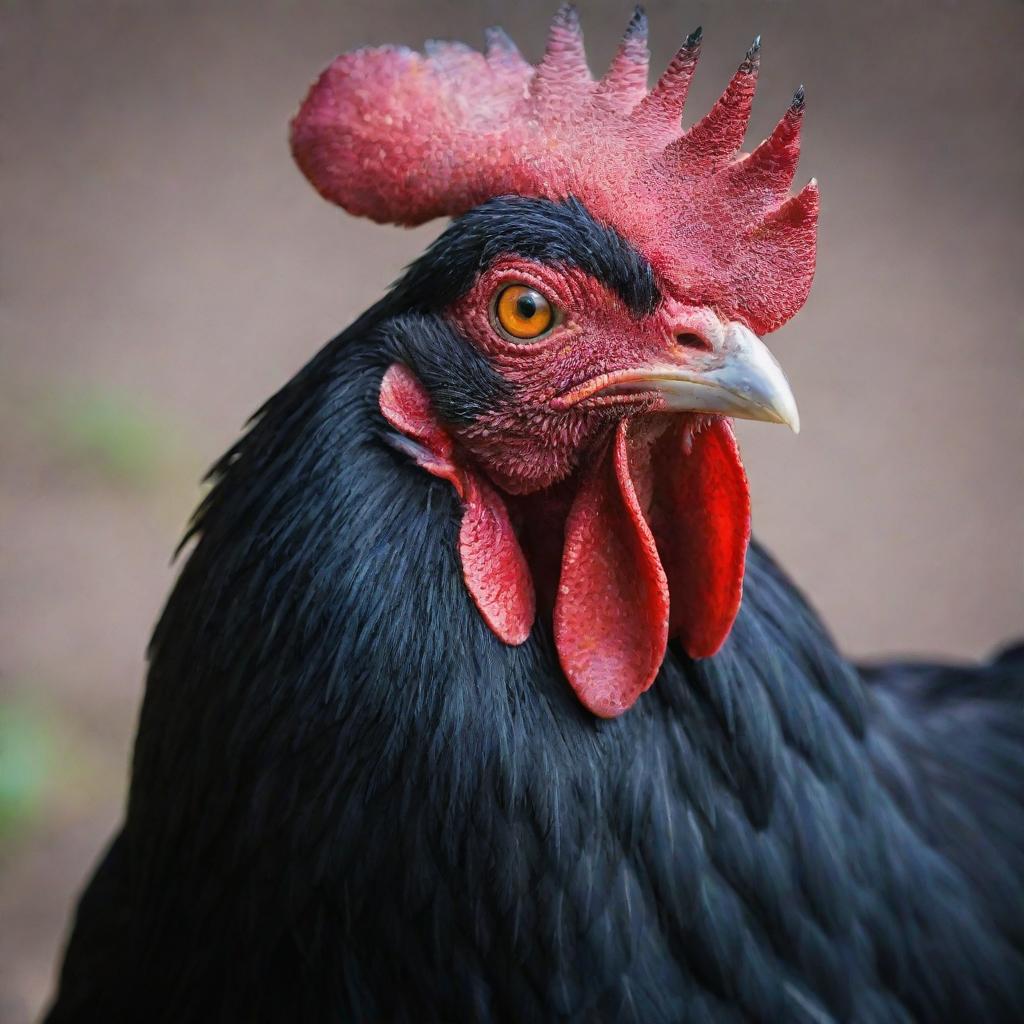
<point x="474" y="700"/>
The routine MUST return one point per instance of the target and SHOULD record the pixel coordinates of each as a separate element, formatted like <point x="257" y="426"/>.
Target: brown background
<point x="165" y="267"/>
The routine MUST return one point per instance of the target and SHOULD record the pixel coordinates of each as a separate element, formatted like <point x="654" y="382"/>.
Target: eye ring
<point x="521" y="313"/>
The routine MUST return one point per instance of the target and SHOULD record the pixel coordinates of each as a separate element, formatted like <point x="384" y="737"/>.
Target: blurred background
<point x="165" y="267"/>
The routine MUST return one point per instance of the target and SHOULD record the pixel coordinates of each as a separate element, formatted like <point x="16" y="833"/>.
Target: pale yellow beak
<point x="737" y="377"/>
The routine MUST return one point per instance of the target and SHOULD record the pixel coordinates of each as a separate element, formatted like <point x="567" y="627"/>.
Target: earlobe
<point x="493" y="565"/>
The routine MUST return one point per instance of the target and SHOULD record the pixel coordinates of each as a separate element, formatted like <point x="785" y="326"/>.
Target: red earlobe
<point x="493" y="565"/>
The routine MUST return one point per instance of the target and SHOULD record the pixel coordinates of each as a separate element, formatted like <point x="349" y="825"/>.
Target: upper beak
<point x="737" y="377"/>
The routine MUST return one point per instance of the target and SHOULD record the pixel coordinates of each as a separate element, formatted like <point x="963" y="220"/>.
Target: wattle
<point x="650" y="545"/>
<point x="655" y="545"/>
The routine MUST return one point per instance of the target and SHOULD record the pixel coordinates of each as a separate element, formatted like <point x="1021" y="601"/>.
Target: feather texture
<point x="351" y="801"/>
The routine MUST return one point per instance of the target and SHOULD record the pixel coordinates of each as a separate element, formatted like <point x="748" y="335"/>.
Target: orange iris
<point x="523" y="313"/>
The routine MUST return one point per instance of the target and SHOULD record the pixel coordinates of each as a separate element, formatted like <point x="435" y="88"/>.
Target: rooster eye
<point x="522" y="313"/>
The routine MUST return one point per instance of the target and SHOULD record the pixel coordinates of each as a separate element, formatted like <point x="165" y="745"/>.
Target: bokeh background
<point x="165" y="267"/>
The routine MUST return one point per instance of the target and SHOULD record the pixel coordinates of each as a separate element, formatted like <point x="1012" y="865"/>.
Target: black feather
<point x="351" y="802"/>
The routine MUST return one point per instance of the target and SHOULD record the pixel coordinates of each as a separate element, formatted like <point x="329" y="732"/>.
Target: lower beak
<point x="739" y="377"/>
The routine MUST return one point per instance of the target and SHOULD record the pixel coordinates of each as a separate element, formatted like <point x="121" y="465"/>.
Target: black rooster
<point x="395" y="760"/>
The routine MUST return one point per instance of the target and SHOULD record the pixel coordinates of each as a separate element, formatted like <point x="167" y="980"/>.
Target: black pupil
<point x="526" y="305"/>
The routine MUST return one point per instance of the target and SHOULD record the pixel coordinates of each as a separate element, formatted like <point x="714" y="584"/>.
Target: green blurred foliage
<point x="114" y="436"/>
<point x="26" y="758"/>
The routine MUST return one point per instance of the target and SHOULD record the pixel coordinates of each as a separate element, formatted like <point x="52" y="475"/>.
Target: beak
<point x="738" y="377"/>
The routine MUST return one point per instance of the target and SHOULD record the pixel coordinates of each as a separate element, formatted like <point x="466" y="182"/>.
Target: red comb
<point x="403" y="137"/>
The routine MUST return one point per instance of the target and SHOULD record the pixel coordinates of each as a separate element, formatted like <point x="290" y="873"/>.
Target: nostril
<point x="695" y="341"/>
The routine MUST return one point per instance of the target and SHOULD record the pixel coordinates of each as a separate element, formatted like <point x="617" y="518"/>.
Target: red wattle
<point x="701" y="520"/>
<point x="611" y="612"/>
<point x="658" y="513"/>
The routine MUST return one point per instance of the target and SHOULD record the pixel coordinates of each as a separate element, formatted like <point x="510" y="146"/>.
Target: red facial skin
<point x="630" y="524"/>
<point x="528" y="443"/>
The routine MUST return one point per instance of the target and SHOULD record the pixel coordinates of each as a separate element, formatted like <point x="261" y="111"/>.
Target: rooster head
<point x="592" y="322"/>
